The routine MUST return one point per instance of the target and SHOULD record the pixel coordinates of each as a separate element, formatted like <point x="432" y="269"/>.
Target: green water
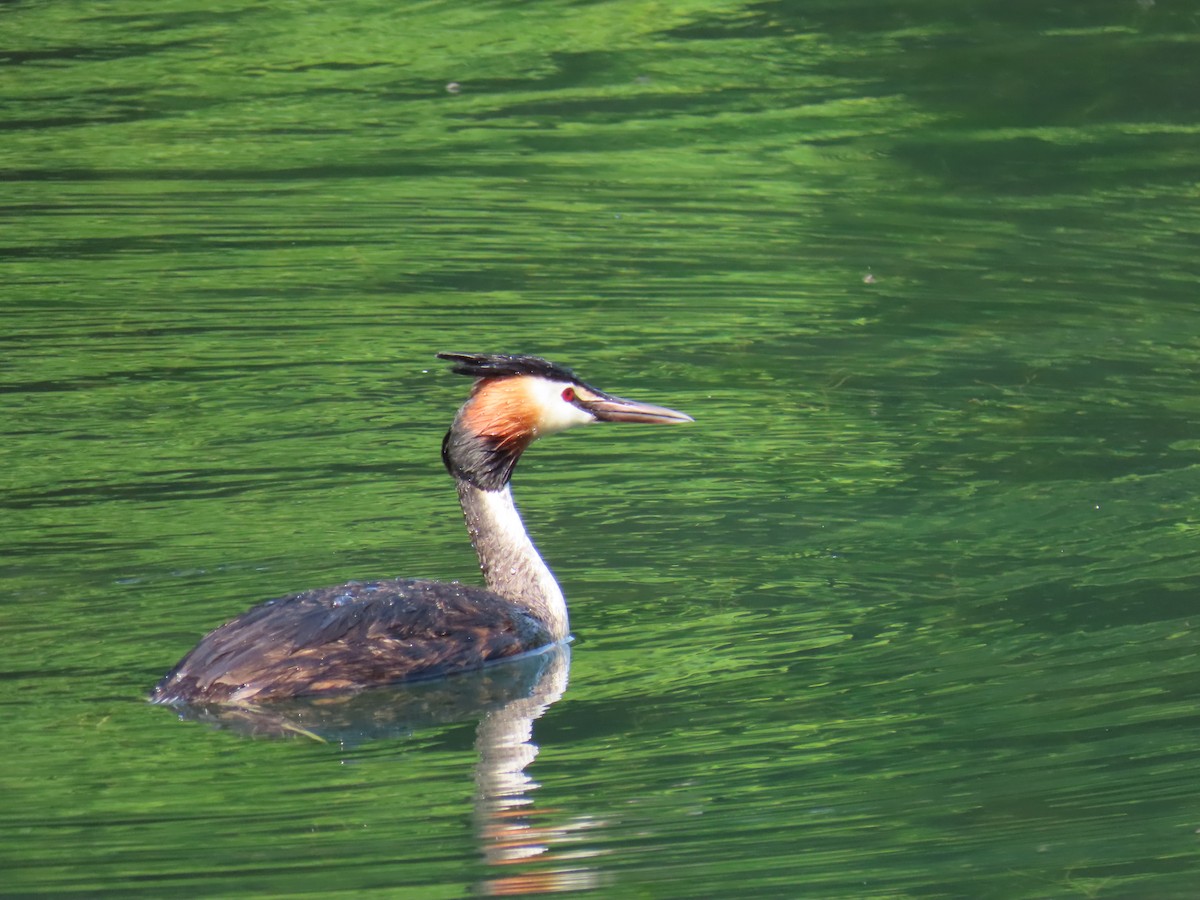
<point x="909" y="612"/>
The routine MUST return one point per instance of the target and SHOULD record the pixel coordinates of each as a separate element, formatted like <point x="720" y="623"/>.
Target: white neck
<point x="511" y="564"/>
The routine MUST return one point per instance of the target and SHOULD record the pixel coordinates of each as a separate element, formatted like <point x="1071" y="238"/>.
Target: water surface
<point x="908" y="612"/>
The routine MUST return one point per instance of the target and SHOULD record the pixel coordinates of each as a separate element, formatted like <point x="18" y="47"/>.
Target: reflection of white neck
<point x="505" y="737"/>
<point x="511" y="564"/>
<point x="510" y="828"/>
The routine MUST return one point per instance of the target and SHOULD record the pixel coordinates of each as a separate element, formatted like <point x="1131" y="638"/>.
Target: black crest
<point x="501" y="365"/>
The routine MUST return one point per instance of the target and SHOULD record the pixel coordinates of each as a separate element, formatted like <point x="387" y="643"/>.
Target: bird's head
<point x="517" y="399"/>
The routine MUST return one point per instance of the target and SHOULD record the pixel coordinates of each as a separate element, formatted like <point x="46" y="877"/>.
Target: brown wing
<point x="348" y="637"/>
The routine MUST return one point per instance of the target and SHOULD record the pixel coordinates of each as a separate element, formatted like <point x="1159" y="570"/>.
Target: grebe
<point x="355" y="635"/>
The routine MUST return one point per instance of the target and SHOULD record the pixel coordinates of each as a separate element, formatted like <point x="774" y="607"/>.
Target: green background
<point x="907" y="613"/>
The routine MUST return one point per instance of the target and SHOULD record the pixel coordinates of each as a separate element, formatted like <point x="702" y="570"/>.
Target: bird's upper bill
<point x="607" y="408"/>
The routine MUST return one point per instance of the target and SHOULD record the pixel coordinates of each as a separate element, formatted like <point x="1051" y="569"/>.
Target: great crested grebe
<point x="355" y="635"/>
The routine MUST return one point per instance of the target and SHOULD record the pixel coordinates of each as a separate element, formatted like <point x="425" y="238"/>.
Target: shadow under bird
<point x="355" y="635"/>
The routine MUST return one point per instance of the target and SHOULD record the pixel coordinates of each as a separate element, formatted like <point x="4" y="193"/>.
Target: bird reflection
<point x="532" y="845"/>
<point x="510" y="829"/>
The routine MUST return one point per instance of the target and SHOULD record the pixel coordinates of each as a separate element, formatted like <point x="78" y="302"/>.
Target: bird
<point x="348" y="637"/>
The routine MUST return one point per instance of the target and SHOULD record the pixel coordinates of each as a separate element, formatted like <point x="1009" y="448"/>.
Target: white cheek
<point x="555" y="413"/>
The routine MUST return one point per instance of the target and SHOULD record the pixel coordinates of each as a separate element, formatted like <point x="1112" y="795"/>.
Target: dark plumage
<point x="340" y="638"/>
<point x="496" y="365"/>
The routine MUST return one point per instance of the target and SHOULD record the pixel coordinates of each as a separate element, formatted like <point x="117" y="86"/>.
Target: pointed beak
<point x="608" y="408"/>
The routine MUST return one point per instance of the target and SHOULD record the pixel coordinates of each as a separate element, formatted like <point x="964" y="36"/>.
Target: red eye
<point x="568" y="394"/>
